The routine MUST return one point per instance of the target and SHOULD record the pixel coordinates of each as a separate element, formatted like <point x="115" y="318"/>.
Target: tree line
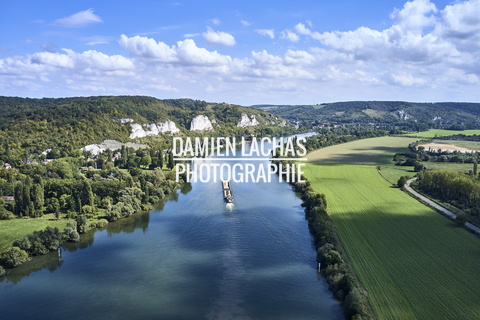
<point x="454" y="187"/>
<point x="333" y="265"/>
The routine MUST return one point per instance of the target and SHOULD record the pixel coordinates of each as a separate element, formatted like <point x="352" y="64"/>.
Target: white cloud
<point x="415" y="15"/>
<point x="406" y="79"/>
<point x="213" y="37"/>
<point x="191" y="35"/>
<point x="79" y="19"/>
<point x="185" y="52"/>
<point x="245" y="23"/>
<point x="424" y="52"/>
<point x="148" y="48"/>
<point x="460" y="23"/>
<point x="94" y="40"/>
<point x="302" y="30"/>
<point x="290" y="36"/>
<point x="189" y="53"/>
<point x="215" y="21"/>
<point x="266" y="32"/>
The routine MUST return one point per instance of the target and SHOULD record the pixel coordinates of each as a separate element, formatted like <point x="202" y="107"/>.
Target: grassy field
<point x="463" y="167"/>
<point x="10" y="230"/>
<point x="414" y="263"/>
<point x="474" y="145"/>
<point x="432" y="133"/>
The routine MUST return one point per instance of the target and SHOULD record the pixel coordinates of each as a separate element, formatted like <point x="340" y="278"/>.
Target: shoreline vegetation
<point x="333" y="263"/>
<point x="50" y="203"/>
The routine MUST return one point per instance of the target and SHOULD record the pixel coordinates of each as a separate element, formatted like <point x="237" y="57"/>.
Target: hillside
<point x="28" y="127"/>
<point x="408" y="115"/>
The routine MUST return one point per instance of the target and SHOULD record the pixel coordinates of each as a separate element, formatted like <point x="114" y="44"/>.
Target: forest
<point x="383" y="114"/>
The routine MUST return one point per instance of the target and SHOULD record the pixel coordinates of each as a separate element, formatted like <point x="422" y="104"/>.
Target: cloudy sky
<point x="244" y="52"/>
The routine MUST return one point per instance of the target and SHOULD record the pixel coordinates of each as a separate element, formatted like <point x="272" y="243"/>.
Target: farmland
<point x="432" y="133"/>
<point x="414" y="263"/>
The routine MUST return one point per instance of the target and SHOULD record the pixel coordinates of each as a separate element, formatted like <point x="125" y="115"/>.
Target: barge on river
<point x="227" y="191"/>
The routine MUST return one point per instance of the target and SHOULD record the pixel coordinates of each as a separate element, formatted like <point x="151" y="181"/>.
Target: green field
<point x="414" y="263"/>
<point x="474" y="145"/>
<point x="463" y="167"/>
<point x="432" y="133"/>
<point x="11" y="230"/>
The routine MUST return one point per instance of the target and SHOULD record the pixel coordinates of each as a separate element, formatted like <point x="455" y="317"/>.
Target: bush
<point x="41" y="242"/>
<point x="101" y="223"/>
<point x="71" y="234"/>
<point x="6" y="215"/>
<point x="2" y="271"/>
<point x="14" y="257"/>
<point x="461" y="219"/>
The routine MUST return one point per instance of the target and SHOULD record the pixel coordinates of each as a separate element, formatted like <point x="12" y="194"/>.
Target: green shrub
<point x="2" y="271"/>
<point x="71" y="234"/>
<point x="6" y="215"/>
<point x="101" y="223"/>
<point x="14" y="257"/>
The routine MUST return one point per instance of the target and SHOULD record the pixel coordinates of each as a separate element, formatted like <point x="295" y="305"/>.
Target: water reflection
<point x="50" y="261"/>
<point x="53" y="260"/>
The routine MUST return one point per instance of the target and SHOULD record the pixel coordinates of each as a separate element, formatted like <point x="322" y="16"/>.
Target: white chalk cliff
<point x="153" y="129"/>
<point x="201" y="123"/>
<point x="246" y="121"/>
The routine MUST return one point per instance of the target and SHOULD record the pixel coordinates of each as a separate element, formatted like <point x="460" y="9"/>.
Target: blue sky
<point x="243" y="52"/>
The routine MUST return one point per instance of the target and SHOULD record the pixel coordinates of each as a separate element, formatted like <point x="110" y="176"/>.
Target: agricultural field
<point x="462" y="167"/>
<point x="473" y="145"/>
<point x="414" y="263"/>
<point x="11" y="230"/>
<point x="432" y="133"/>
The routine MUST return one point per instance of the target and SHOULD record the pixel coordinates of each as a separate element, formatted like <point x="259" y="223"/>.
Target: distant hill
<point x="30" y="126"/>
<point x="412" y="115"/>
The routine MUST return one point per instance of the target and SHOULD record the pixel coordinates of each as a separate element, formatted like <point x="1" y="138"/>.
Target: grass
<point x="474" y="145"/>
<point x="414" y="263"/>
<point x="11" y="230"/>
<point x="463" y="167"/>
<point x="432" y="133"/>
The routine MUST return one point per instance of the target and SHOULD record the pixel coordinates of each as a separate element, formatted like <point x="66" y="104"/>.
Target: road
<point x="436" y="206"/>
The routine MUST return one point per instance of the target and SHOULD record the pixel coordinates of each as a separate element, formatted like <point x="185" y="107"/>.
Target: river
<point x="195" y="257"/>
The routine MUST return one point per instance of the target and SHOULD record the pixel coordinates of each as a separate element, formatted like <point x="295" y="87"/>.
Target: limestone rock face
<point x="96" y="149"/>
<point x="201" y="123"/>
<point x="246" y="121"/>
<point x="153" y="129"/>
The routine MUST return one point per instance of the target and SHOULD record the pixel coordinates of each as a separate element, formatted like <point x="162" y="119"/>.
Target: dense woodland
<point x="385" y="115"/>
<point x="28" y="127"/>
<point x="456" y="188"/>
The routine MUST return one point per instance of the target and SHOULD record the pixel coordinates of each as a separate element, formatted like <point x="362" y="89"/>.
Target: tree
<point x="145" y="160"/>
<point x="170" y="163"/>
<point x="14" y="257"/>
<point x="82" y="224"/>
<point x="401" y="182"/>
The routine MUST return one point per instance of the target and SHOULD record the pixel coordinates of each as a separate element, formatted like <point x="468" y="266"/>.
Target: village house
<point x="8" y="198"/>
